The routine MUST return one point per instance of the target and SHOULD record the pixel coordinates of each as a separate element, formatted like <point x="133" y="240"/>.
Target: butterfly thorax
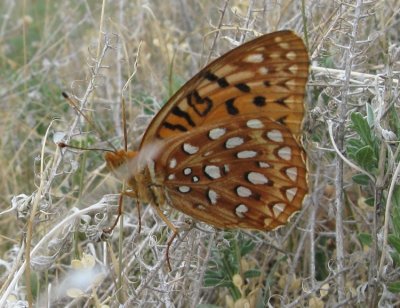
<point x="139" y="175"/>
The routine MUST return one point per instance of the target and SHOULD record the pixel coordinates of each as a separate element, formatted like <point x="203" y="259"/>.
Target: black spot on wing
<point x="230" y="107"/>
<point x="281" y="101"/>
<point x="175" y="127"/>
<point x="183" y="114"/>
<point x="200" y="105"/>
<point x="259" y="101"/>
<point x="210" y="76"/>
<point x="243" y="87"/>
<point x="282" y="120"/>
<point x="284" y="84"/>
<point x="223" y="83"/>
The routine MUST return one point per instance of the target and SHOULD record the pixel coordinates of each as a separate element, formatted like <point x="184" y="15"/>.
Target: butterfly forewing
<point x="249" y="173"/>
<point x="267" y="74"/>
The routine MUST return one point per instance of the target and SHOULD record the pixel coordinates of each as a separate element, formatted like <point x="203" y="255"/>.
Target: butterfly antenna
<point x="90" y="122"/>
<point x="64" y="145"/>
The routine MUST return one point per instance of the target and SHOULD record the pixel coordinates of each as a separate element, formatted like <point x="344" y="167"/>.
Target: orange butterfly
<point x="225" y="149"/>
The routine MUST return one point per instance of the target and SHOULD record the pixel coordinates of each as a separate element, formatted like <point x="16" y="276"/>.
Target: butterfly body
<point x="225" y="149"/>
<point x="140" y="175"/>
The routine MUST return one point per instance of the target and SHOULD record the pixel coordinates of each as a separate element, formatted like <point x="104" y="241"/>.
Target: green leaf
<point x="215" y="281"/>
<point x="396" y="210"/>
<point x="252" y="273"/>
<point x="394" y="120"/>
<point x="361" y="179"/>
<point x="247" y="247"/>
<point x="361" y="126"/>
<point x="355" y="143"/>
<point x="365" y="158"/>
<point x="394" y="287"/>
<point x="365" y="239"/>
<point x="320" y="265"/>
<point x="370" y="201"/>
<point x="353" y="146"/>
<point x="370" y="115"/>
<point x="226" y="261"/>
<point x="394" y="241"/>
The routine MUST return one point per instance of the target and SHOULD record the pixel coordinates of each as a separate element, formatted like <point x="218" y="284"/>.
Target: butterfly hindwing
<point x="249" y="173"/>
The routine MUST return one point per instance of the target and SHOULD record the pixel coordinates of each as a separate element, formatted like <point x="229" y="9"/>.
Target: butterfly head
<point x="131" y="166"/>
<point x="115" y="160"/>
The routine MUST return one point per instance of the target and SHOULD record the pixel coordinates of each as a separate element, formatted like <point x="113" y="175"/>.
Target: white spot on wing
<point x="207" y="153"/>
<point x="292" y="173"/>
<point x="285" y="153"/>
<point x="278" y="209"/>
<point x="240" y="210"/>
<point x="284" y="45"/>
<point x="187" y="171"/>
<point x="263" y="70"/>
<point x="215" y="133"/>
<point x="257" y="178"/>
<point x="291" y="193"/>
<point x="254" y="123"/>
<point x="233" y="142"/>
<point x="294" y="69"/>
<point x="246" y="154"/>
<point x="267" y="211"/>
<point x="200" y="207"/>
<point x="291" y="83"/>
<point x="275" y="135"/>
<point x="267" y="222"/>
<point x="190" y="149"/>
<point x="171" y="177"/>
<point x="212" y="196"/>
<point x="274" y="55"/>
<point x="291" y="55"/>
<point x="263" y="164"/>
<point x="195" y="179"/>
<point x="243" y="191"/>
<point x="184" y="189"/>
<point x="226" y="168"/>
<point x="212" y="171"/>
<point x="254" y="58"/>
<point x="172" y="163"/>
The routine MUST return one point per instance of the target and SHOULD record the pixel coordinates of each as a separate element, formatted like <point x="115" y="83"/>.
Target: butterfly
<point x="226" y="148"/>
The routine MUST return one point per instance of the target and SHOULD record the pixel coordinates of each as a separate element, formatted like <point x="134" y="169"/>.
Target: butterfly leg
<point x="174" y="230"/>
<point x="134" y="196"/>
<point x="120" y="204"/>
<point x="120" y="200"/>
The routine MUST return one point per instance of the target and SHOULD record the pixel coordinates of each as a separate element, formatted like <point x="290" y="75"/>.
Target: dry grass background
<point x="341" y="250"/>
